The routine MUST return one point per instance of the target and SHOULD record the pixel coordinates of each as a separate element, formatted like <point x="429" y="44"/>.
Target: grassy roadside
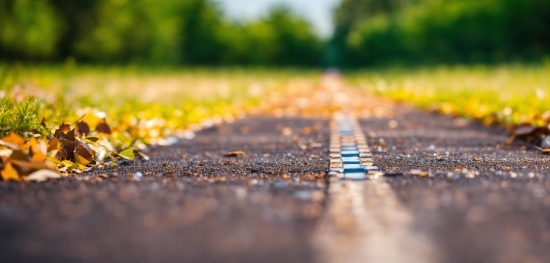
<point x="94" y="116"/>
<point x="163" y="100"/>
<point x="505" y="94"/>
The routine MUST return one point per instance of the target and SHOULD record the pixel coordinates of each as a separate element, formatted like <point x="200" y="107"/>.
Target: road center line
<point x="364" y="221"/>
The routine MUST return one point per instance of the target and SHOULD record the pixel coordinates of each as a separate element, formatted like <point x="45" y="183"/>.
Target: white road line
<point x="364" y="221"/>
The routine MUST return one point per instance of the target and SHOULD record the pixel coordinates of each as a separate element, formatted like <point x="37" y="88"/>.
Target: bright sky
<point x="318" y="12"/>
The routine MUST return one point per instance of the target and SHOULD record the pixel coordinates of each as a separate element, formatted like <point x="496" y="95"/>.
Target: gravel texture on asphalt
<point x="190" y="204"/>
<point x="479" y="199"/>
<point x="476" y="198"/>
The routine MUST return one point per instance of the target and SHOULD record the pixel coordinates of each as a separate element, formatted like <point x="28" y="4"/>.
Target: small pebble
<point x="545" y="144"/>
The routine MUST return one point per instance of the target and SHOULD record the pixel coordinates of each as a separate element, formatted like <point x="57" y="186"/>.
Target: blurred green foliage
<point x="450" y="31"/>
<point x="173" y="32"/>
<point x="196" y="32"/>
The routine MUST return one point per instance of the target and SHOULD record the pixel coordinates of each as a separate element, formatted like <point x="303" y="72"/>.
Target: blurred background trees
<point x="196" y="32"/>
<point x="451" y="31"/>
<point x="173" y="32"/>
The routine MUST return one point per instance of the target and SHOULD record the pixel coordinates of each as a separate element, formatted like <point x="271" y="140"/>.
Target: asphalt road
<point x="453" y="191"/>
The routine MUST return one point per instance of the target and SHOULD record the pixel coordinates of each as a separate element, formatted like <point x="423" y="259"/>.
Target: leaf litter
<point x="69" y="149"/>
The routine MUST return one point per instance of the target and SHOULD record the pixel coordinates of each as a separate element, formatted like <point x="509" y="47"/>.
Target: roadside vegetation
<point x="68" y="119"/>
<point x="506" y="94"/>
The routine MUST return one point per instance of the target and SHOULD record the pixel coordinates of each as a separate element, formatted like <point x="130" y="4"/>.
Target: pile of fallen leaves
<point x="66" y="151"/>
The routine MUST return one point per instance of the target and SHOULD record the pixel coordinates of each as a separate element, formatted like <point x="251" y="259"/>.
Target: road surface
<point x="452" y="192"/>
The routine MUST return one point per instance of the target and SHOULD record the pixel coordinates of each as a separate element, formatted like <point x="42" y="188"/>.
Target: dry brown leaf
<point x="20" y="156"/>
<point x="66" y="151"/>
<point x="103" y="127"/>
<point x="71" y="135"/>
<point x="545" y="151"/>
<point x="28" y="167"/>
<point x="83" y="128"/>
<point x="83" y="154"/>
<point x="63" y="128"/>
<point x="234" y="154"/>
<point x="524" y="129"/>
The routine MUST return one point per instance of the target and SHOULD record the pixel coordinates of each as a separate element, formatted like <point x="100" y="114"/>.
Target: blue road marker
<point x="354" y="168"/>
<point x="349" y="148"/>
<point x="350" y="153"/>
<point x="351" y="160"/>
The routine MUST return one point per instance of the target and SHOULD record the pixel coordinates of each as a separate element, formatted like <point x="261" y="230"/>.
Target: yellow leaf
<point x="67" y="163"/>
<point x="81" y="160"/>
<point x="80" y="167"/>
<point x="53" y="144"/>
<point x="38" y="155"/>
<point x="38" y="146"/>
<point x="13" y="141"/>
<point x="51" y="165"/>
<point x="127" y="154"/>
<point x="9" y="173"/>
<point x="54" y="160"/>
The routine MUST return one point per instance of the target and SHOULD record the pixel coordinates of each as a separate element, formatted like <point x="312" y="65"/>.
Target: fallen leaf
<point x="42" y="175"/>
<point x="92" y="138"/>
<point x="53" y="144"/>
<point x="27" y="167"/>
<point x="37" y="155"/>
<point x="103" y="127"/>
<point x="68" y="164"/>
<point x="71" y="135"/>
<point x="524" y="129"/>
<point x="234" y="154"/>
<point x="36" y="146"/>
<point x="9" y="173"/>
<point x="83" y="154"/>
<point x="63" y="128"/>
<point x="127" y="154"/>
<point x="545" y="151"/>
<point x="83" y="128"/>
<point x="66" y="151"/>
<point x="528" y="133"/>
<point x="20" y="156"/>
<point x="13" y="141"/>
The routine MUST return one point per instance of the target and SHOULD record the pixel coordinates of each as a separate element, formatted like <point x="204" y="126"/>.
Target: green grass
<point x="505" y="94"/>
<point x="150" y="103"/>
<point x="19" y="117"/>
<point x="145" y="103"/>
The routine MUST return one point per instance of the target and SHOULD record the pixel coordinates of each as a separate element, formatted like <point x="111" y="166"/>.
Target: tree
<point x="201" y="24"/>
<point x="350" y="13"/>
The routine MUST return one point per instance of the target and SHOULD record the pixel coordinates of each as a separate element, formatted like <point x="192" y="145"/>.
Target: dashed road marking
<point x="350" y="154"/>
<point x="364" y="221"/>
